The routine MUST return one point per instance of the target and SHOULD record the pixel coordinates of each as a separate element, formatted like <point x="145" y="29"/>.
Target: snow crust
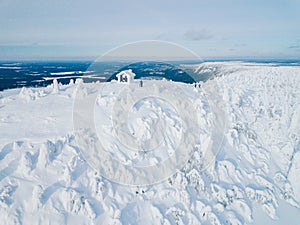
<point x="44" y="178"/>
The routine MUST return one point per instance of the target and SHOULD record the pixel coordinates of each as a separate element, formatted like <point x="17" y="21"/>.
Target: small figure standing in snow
<point x="141" y="83"/>
<point x="195" y="85"/>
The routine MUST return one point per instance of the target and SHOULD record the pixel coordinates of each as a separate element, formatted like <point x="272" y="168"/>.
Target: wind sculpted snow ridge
<point x="44" y="179"/>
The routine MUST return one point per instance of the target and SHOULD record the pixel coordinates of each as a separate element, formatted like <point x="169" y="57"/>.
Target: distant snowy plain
<point x="255" y="179"/>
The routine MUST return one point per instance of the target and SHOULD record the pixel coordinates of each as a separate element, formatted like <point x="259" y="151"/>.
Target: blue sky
<point x="75" y="29"/>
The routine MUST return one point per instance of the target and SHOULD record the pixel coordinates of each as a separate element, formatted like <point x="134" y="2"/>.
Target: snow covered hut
<point x="126" y="76"/>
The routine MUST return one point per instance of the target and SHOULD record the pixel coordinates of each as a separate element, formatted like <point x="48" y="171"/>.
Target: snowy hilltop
<point x="46" y="177"/>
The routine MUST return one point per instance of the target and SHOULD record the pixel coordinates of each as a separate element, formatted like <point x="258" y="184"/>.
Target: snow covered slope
<point x="44" y="178"/>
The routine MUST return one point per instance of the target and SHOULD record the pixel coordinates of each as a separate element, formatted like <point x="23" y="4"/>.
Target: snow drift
<point x="44" y="178"/>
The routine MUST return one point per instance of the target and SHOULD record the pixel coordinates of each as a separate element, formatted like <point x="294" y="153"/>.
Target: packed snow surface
<point x="45" y="179"/>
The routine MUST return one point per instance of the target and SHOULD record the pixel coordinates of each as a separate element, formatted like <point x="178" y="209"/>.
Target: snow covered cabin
<point x="126" y="76"/>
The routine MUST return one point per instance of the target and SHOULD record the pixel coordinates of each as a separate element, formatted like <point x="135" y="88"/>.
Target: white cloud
<point x="196" y="35"/>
